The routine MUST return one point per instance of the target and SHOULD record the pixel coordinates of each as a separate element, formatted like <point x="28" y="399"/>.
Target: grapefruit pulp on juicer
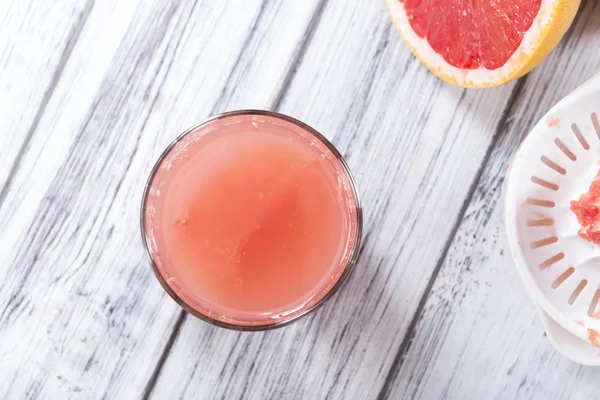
<point x="587" y="211"/>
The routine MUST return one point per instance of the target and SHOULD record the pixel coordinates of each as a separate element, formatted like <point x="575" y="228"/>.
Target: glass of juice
<point x="251" y="220"/>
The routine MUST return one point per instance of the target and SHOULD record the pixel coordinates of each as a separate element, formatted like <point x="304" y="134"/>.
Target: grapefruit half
<point x="481" y="43"/>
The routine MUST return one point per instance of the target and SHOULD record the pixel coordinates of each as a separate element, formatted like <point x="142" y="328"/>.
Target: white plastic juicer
<point x="555" y="165"/>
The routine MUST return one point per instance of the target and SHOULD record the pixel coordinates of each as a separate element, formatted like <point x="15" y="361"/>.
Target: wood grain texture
<point x="416" y="146"/>
<point x="433" y="309"/>
<point x="479" y="335"/>
<point x="81" y="315"/>
<point x="35" y="43"/>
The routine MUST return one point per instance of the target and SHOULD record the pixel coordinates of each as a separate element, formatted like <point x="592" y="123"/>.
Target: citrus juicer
<point x="555" y="165"/>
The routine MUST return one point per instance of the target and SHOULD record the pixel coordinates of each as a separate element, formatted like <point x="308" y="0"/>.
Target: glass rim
<point x="347" y="268"/>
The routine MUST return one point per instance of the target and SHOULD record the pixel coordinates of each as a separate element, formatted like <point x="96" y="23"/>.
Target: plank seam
<point x="410" y="332"/>
<point x="298" y="56"/>
<point x="222" y="99"/>
<point x="502" y="127"/>
<point x="72" y="40"/>
<point x="164" y="355"/>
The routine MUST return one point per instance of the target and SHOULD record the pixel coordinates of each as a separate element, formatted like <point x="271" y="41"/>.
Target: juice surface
<point x="252" y="222"/>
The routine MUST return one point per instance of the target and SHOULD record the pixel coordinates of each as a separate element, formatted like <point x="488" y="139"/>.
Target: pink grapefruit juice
<point x="251" y="219"/>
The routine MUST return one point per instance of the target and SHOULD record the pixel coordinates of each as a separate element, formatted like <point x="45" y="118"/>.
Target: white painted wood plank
<point x="81" y="313"/>
<point x="74" y="95"/>
<point x="479" y="335"/>
<point x="35" y="42"/>
<point x="415" y="145"/>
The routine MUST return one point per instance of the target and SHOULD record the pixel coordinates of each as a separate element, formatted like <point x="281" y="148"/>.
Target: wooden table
<point x="92" y="91"/>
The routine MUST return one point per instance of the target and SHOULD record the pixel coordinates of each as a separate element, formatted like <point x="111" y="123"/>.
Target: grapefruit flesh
<point x="587" y="211"/>
<point x="470" y="34"/>
<point x="478" y="43"/>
